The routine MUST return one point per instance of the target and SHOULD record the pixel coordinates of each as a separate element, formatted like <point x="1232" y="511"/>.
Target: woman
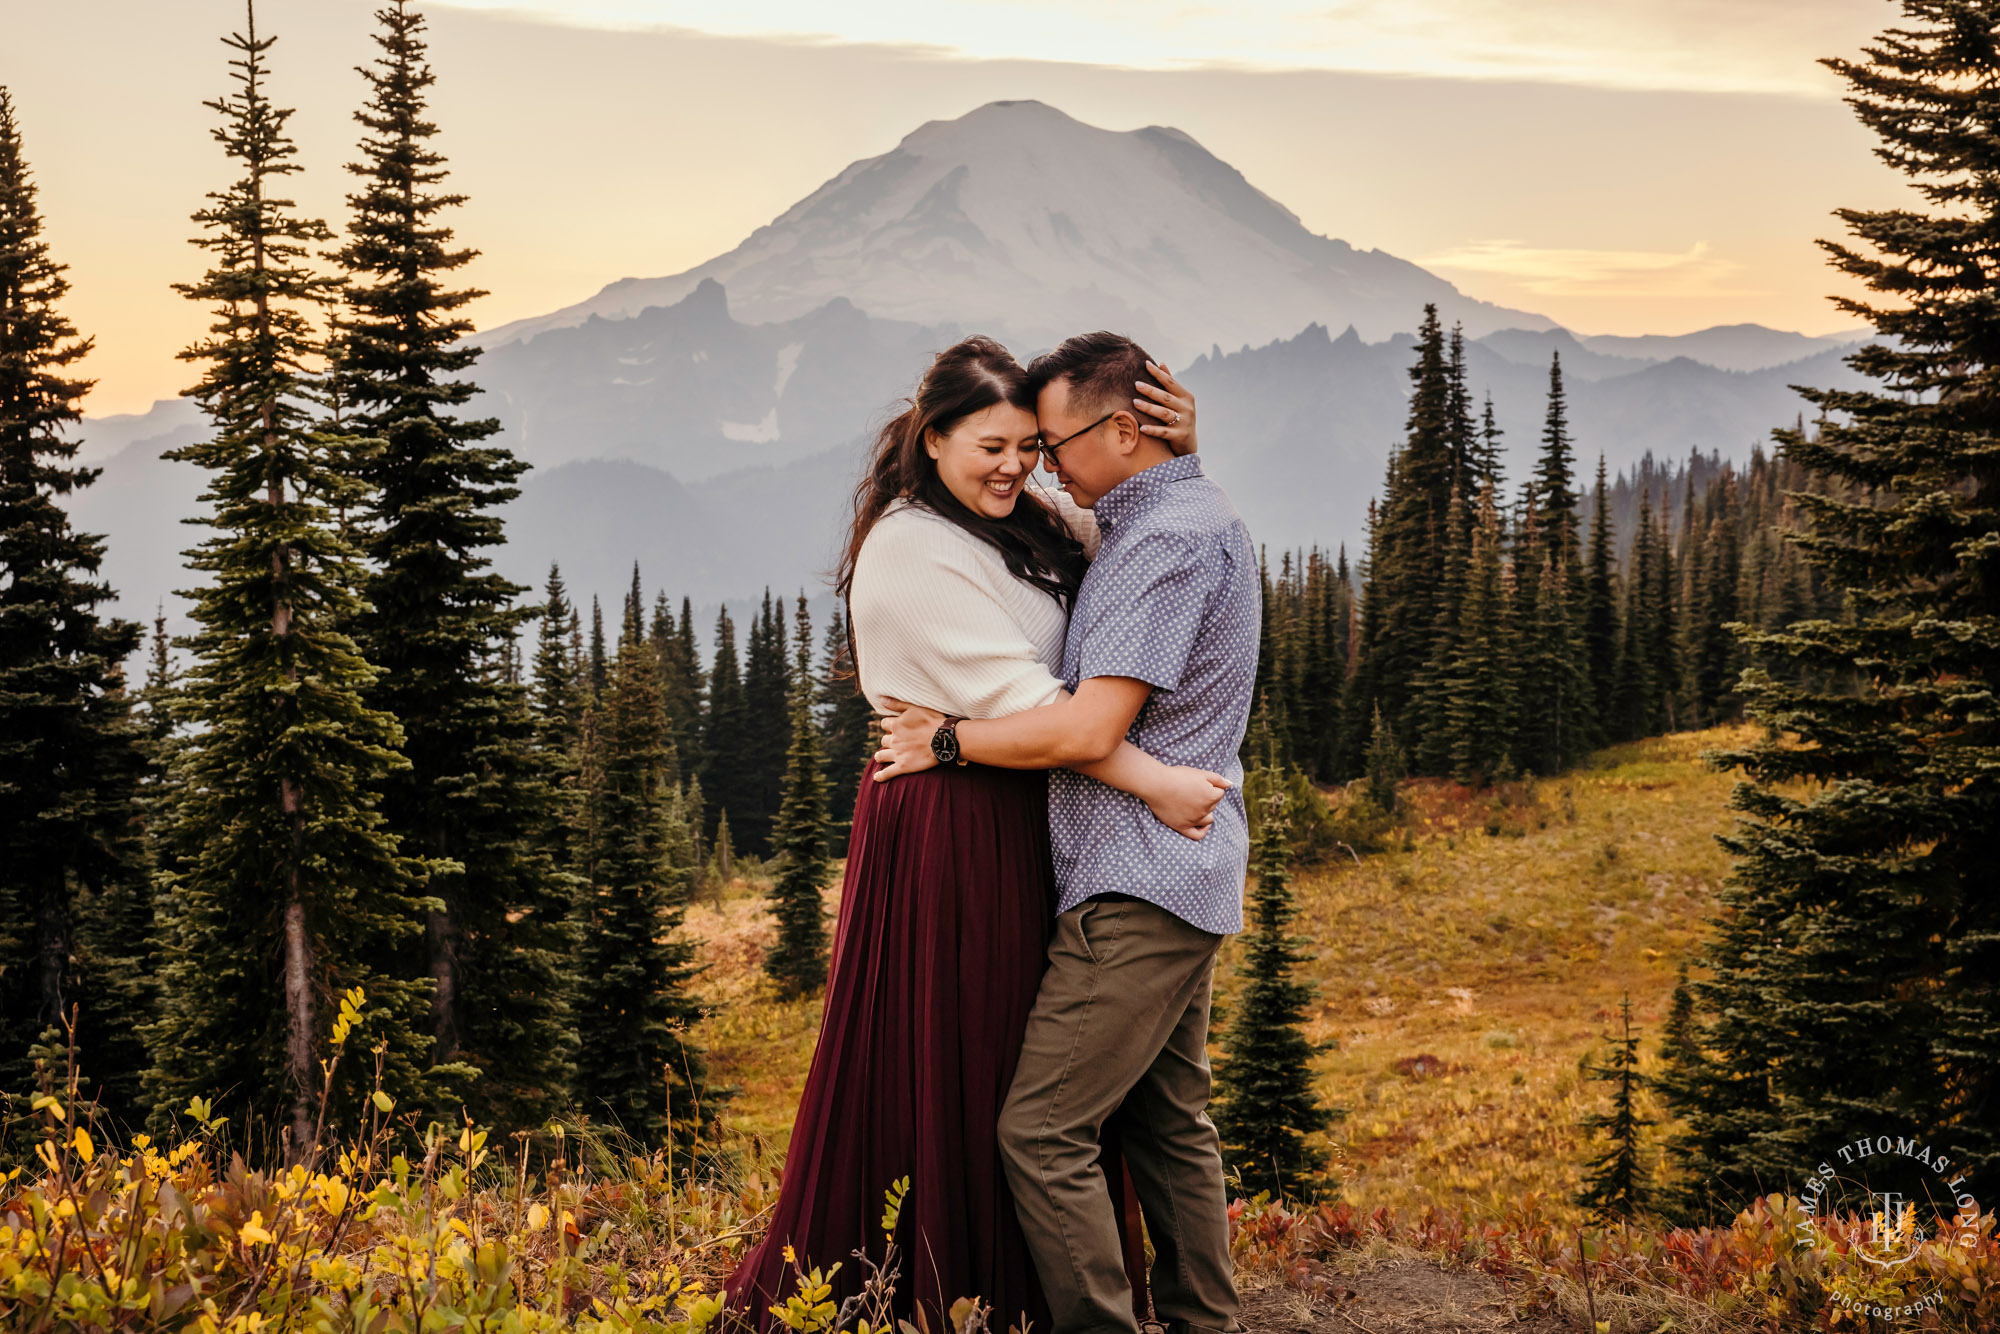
<point x="958" y="587"/>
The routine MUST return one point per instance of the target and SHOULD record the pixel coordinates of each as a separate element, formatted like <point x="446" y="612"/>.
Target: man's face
<point x="1084" y="461"/>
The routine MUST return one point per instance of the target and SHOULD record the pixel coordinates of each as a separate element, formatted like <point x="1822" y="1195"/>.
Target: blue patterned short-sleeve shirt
<point x="1172" y="599"/>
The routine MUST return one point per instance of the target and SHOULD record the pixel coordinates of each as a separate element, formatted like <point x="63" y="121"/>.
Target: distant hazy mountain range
<point x="709" y="424"/>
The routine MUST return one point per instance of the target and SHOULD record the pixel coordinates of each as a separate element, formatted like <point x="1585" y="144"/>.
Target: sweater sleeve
<point x="930" y="629"/>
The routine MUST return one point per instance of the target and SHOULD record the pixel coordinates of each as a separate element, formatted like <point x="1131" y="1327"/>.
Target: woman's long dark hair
<point x="967" y="378"/>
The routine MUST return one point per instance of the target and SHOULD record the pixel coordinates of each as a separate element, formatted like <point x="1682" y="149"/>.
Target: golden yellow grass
<point x="1462" y="977"/>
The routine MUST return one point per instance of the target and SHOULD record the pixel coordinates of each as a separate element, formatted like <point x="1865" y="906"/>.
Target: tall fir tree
<point x="1556" y="725"/>
<point x="767" y="726"/>
<point x="1635" y="709"/>
<point x="637" y="1062"/>
<point x="478" y="799"/>
<point x="1265" y="1109"/>
<point x="1615" y="1184"/>
<point x="797" y="962"/>
<point x="1403" y="597"/>
<point x="683" y="683"/>
<point x="1713" y="657"/>
<point x="726" y="778"/>
<point x="847" y="721"/>
<point x="1434" y="686"/>
<point x="1480" y="700"/>
<point x="599" y="663"/>
<point x="1600" y="613"/>
<point x="288" y="887"/>
<point x="1552" y="487"/>
<point x="70" y="755"/>
<point x="559" y="689"/>
<point x="1854" y="978"/>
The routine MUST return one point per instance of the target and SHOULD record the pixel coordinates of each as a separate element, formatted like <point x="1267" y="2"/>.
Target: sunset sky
<point x="1649" y="166"/>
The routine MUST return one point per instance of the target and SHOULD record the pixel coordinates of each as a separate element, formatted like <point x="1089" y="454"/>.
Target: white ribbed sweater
<point x="939" y="621"/>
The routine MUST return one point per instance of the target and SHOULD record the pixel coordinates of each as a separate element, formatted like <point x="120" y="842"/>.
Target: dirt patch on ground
<point x="1401" y="1297"/>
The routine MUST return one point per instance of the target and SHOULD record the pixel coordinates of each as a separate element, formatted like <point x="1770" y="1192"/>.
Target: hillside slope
<point x="1462" y="978"/>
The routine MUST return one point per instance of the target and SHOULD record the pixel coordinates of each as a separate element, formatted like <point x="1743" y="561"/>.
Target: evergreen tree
<point x="798" y="961"/>
<point x="767" y="729"/>
<point x="600" y="662"/>
<point x="1434" y="687"/>
<point x="1635" y="707"/>
<point x="1406" y="553"/>
<point x="1480" y="706"/>
<point x="726" y="776"/>
<point x="559" y="696"/>
<point x="288" y="889"/>
<point x="636" y="1060"/>
<point x="1600" y="614"/>
<point x="1552" y="489"/>
<point x="1553" y="689"/>
<point x="1387" y="765"/>
<point x="847" y="719"/>
<point x="1853" y="974"/>
<point x="1264" y="1106"/>
<point x="478" y="798"/>
<point x="1713" y="659"/>
<point x="1614" y="1184"/>
<point x="682" y="680"/>
<point x="70" y="757"/>
<point x="1486" y="452"/>
<point x="1323" y="620"/>
<point x="725" y="848"/>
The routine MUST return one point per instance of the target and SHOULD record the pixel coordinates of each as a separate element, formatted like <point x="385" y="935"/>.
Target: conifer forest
<point x="393" y="853"/>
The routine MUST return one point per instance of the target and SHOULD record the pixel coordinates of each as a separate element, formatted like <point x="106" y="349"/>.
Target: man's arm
<point x="1074" y="732"/>
<point x="1065" y="734"/>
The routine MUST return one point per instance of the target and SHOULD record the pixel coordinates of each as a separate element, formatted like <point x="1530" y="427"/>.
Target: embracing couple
<point x="1049" y="854"/>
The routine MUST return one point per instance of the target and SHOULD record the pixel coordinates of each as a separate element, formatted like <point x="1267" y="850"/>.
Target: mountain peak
<point x="1018" y="218"/>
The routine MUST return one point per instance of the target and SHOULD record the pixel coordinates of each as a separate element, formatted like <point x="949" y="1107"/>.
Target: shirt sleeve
<point x="1145" y="610"/>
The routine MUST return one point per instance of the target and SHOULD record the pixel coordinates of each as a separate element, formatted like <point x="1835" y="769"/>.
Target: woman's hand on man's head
<point x="1171" y="406"/>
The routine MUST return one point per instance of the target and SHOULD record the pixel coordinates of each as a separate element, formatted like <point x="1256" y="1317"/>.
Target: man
<point x="1162" y="649"/>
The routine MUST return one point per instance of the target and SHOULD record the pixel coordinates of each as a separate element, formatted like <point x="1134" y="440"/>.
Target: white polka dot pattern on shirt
<point x="1172" y="599"/>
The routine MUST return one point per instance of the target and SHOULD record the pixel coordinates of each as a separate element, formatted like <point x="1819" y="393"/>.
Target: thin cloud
<point x="1694" y="272"/>
<point x="1763" y="46"/>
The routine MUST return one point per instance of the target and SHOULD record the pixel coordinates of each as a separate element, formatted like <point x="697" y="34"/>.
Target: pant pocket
<point x="1097" y="924"/>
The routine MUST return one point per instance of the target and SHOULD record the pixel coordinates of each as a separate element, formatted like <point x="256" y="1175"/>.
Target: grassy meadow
<point x="1462" y="977"/>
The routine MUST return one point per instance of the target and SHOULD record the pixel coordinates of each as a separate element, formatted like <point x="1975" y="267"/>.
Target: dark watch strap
<point x="944" y="742"/>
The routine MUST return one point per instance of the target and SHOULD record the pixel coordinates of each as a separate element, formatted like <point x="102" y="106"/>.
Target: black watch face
<point x="944" y="745"/>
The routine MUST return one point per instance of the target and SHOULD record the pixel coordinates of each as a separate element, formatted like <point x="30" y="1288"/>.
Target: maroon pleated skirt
<point x="944" y="923"/>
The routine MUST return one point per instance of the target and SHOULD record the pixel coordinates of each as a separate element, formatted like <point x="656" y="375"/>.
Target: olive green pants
<point x="1120" y="1027"/>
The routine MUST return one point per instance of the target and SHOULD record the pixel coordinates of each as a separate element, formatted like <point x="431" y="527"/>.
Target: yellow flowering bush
<point x="401" y="1229"/>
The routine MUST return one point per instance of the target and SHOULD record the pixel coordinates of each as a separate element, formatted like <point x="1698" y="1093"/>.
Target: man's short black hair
<point x="1103" y="370"/>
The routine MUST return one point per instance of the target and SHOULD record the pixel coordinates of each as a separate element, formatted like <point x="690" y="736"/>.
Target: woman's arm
<point x="1181" y="798"/>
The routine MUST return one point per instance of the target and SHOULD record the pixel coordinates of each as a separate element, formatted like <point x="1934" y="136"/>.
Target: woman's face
<point x="986" y="459"/>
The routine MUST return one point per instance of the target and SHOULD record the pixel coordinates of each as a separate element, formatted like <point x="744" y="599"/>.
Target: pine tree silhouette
<point x="1264" y="1106"/>
<point x="797" y="962"/>
<point x="288" y="887"/>
<point x="1614" y="1183"/>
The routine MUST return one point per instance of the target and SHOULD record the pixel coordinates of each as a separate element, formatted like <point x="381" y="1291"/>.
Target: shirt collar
<point x="1137" y="493"/>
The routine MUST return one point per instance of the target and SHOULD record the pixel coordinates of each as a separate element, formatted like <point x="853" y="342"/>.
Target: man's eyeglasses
<point x="1049" y="447"/>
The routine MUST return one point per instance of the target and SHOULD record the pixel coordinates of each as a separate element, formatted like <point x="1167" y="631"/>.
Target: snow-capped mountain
<point x="710" y="424"/>
<point x="1018" y="219"/>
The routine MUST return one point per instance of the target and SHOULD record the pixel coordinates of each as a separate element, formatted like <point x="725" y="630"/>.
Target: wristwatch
<point x="944" y="742"/>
